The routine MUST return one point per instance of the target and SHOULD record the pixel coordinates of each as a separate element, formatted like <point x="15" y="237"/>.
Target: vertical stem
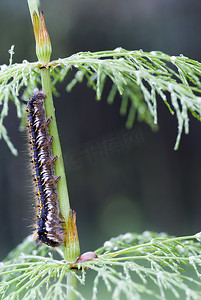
<point x="59" y="171"/>
<point x="33" y="6"/>
<point x="71" y="283"/>
<point x="43" y="51"/>
<point x="56" y="147"/>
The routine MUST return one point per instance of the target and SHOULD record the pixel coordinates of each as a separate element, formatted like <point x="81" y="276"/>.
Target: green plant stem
<point x="59" y="165"/>
<point x="33" y="6"/>
<point x="71" y="286"/>
<point x="56" y="147"/>
<point x="59" y="169"/>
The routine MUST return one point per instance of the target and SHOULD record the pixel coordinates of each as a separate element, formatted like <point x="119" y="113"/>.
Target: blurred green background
<point x="118" y="180"/>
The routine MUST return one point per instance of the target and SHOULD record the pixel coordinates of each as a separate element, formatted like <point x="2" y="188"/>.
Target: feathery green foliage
<point x="141" y="79"/>
<point x="131" y="266"/>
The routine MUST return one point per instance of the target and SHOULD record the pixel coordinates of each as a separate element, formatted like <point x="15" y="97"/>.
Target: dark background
<point x="118" y="180"/>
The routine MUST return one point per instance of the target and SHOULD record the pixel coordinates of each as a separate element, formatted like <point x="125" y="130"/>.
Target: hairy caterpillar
<point x="48" y="224"/>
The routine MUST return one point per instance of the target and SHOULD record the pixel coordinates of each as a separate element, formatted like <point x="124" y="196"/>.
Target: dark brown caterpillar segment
<point x="49" y="225"/>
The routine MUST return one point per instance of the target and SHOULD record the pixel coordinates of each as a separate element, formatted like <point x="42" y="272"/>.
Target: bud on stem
<point x="43" y="44"/>
<point x="72" y="247"/>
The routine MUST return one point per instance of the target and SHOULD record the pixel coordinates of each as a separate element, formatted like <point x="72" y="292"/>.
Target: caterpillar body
<point x="48" y="224"/>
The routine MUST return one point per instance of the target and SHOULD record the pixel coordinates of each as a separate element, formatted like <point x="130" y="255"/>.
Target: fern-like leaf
<point x="131" y="266"/>
<point x="140" y="78"/>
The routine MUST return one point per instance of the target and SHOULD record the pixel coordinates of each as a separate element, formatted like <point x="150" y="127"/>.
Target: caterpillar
<point x="49" y="227"/>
